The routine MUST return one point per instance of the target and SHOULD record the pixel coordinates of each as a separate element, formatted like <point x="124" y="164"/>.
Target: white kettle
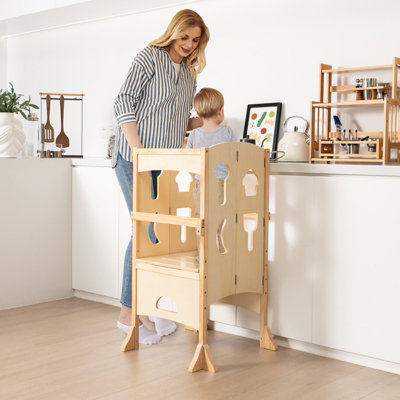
<point x="294" y="143"/>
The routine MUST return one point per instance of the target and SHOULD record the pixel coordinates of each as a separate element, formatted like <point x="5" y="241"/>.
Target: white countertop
<point x="285" y="168"/>
<point x="299" y="168"/>
<point x="91" y="162"/>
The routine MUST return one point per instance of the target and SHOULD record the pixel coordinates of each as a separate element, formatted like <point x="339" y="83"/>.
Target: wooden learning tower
<point x="236" y="273"/>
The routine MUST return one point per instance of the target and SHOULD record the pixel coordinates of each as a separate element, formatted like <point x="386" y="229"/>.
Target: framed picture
<point x="262" y="124"/>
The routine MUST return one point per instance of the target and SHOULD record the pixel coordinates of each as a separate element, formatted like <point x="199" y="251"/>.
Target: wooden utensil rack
<point x="324" y="143"/>
<point x="45" y="152"/>
<point x="237" y="275"/>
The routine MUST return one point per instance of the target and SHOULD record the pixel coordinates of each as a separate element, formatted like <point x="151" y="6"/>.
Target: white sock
<point x="146" y="336"/>
<point x="164" y="327"/>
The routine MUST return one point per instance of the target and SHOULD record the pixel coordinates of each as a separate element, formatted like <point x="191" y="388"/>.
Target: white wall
<point x="3" y="64"/>
<point x="259" y="52"/>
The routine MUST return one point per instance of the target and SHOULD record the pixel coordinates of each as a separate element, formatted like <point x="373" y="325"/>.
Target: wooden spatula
<point x="62" y="140"/>
<point x="48" y="129"/>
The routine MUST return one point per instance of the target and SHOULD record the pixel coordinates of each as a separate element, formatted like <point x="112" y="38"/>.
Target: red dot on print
<point x="263" y="130"/>
<point x="254" y="116"/>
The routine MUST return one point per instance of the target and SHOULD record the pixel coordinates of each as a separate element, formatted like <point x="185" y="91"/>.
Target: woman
<point x="152" y="110"/>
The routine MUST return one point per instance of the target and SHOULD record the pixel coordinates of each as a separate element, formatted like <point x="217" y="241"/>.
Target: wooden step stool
<point x="236" y="273"/>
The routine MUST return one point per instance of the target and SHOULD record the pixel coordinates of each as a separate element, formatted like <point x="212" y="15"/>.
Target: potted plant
<point x="12" y="136"/>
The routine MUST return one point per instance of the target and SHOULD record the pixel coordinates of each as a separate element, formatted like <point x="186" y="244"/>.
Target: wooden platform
<point x="185" y="261"/>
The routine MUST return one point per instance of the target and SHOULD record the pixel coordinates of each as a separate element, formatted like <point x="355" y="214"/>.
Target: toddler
<point x="209" y="105"/>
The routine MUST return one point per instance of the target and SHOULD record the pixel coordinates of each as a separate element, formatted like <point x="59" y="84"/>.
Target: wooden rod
<point x="350" y="103"/>
<point x="385" y="133"/>
<point x="168" y="151"/>
<point x="60" y="94"/>
<point x="394" y="78"/>
<point x="167" y="219"/>
<point x="312" y="134"/>
<point x="352" y="88"/>
<point x="349" y="160"/>
<point x="389" y="135"/>
<point x="203" y="251"/>
<point x="369" y="68"/>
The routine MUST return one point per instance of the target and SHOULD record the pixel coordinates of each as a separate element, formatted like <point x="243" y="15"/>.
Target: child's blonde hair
<point x="181" y="21"/>
<point x="208" y="102"/>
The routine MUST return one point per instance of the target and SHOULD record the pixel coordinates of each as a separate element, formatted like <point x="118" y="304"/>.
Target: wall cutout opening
<point x="250" y="183"/>
<point x="154" y="183"/>
<point x="220" y="238"/>
<point x="167" y="304"/>
<point x="152" y="233"/>
<point x="250" y="223"/>
<point x="183" y="179"/>
<point x="183" y="212"/>
<point x="222" y="174"/>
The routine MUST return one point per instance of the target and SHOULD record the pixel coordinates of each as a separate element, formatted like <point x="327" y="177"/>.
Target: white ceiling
<point x="12" y="9"/>
<point x="27" y="16"/>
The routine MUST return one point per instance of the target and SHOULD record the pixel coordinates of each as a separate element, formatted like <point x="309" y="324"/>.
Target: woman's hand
<point x="131" y="134"/>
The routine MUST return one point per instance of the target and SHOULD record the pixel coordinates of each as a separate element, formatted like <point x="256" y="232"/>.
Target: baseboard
<point x="30" y="303"/>
<point x="96" y="297"/>
<point x="353" y="358"/>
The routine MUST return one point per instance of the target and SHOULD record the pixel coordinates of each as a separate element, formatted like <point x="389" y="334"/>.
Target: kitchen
<point x="332" y="249"/>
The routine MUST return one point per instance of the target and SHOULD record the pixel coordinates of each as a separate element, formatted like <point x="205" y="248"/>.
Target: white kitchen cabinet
<point x="333" y="262"/>
<point x="95" y="230"/>
<point x="35" y="231"/>
<point x="333" y="254"/>
<point x="356" y="265"/>
<point x="290" y="256"/>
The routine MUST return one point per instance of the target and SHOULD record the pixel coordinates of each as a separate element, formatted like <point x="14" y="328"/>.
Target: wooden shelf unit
<point x="321" y="117"/>
<point x="170" y="268"/>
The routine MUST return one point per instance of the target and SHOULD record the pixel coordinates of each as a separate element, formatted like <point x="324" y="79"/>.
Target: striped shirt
<point x="157" y="98"/>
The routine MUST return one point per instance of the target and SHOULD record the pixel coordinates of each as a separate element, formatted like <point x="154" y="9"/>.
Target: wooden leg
<point x="189" y="328"/>
<point x="131" y="341"/>
<point x="266" y="339"/>
<point x="202" y="359"/>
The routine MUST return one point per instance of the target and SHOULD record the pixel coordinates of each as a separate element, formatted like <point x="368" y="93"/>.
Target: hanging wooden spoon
<point x="62" y="140"/>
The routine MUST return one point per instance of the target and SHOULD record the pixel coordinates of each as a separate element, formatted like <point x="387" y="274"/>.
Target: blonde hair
<point x="208" y="102"/>
<point x="181" y="21"/>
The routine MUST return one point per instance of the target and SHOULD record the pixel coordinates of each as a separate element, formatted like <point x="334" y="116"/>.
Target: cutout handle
<point x="250" y="223"/>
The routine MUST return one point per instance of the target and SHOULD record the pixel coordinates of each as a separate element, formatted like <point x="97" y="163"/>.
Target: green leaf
<point x="10" y="101"/>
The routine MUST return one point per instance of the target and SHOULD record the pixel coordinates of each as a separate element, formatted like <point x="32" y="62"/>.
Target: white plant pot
<point x="12" y="136"/>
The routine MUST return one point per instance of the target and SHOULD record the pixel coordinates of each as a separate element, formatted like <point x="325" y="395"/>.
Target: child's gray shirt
<point x="205" y="138"/>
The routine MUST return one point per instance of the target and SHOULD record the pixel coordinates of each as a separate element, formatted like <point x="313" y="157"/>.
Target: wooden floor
<point x="70" y="349"/>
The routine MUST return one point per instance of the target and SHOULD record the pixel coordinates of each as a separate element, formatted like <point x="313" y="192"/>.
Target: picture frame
<point x="262" y="124"/>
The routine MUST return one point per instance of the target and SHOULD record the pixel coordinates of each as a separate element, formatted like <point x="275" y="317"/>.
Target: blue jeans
<point x="124" y="172"/>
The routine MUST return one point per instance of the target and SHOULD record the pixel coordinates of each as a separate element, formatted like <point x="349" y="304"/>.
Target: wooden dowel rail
<point x="167" y="219"/>
<point x="60" y="94"/>
<point x="355" y="69"/>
